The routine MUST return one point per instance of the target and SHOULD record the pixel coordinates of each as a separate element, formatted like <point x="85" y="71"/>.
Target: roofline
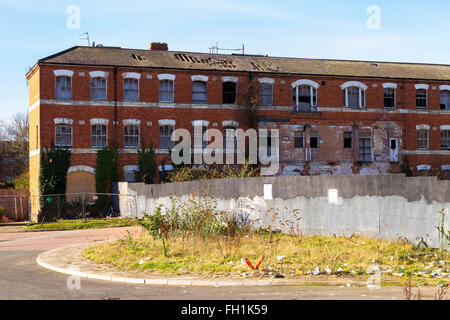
<point x="245" y="72"/>
<point x="254" y="56"/>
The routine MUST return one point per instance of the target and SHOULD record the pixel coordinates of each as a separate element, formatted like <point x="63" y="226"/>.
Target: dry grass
<point x="338" y="255"/>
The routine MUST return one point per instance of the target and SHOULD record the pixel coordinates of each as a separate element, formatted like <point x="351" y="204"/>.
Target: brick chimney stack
<point x="158" y="46"/>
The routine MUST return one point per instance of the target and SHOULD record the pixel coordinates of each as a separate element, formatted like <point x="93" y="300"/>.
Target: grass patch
<point x="79" y="224"/>
<point x="292" y="256"/>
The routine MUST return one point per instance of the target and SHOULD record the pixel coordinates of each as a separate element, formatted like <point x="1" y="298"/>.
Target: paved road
<point x="22" y="278"/>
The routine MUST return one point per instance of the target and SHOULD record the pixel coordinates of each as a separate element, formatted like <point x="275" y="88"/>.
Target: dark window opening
<point x="314" y="140"/>
<point x="229" y="92"/>
<point x="298" y="140"/>
<point x="421" y="99"/>
<point x="365" y="149"/>
<point x="389" y="98"/>
<point x="348" y="140"/>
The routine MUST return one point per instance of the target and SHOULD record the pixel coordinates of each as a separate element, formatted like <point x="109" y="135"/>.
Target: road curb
<point x="51" y="260"/>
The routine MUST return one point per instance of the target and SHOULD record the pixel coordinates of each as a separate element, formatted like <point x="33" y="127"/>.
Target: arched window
<point x="354" y="94"/>
<point x="304" y="95"/>
<point x="422" y="96"/>
<point x="199" y="92"/>
<point x="131" y="86"/>
<point x="63" y="88"/>
<point x="445" y="97"/>
<point x="98" y="88"/>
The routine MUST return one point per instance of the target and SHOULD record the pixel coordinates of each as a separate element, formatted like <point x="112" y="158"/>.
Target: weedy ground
<point x="288" y="255"/>
<point x="80" y="224"/>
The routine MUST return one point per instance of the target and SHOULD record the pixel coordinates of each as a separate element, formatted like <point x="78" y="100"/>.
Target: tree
<point x="146" y="164"/>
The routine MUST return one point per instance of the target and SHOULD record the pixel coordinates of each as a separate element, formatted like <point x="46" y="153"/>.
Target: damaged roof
<point x="115" y="56"/>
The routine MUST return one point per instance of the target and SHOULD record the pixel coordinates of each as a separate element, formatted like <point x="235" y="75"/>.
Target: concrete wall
<point x="385" y="206"/>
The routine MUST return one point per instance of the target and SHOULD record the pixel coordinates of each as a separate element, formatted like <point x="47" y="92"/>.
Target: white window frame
<point x="106" y="141"/>
<point x="392" y="86"/>
<point x="203" y="124"/>
<point x="166" y="123"/>
<point x="362" y="88"/>
<point x="312" y="86"/>
<point x="423" y="129"/>
<point x="445" y="88"/>
<point x="64" y="73"/>
<point x="172" y="91"/>
<point x="102" y="75"/>
<point x="202" y="80"/>
<point x="71" y="134"/>
<point x="133" y="136"/>
<point x="138" y="89"/>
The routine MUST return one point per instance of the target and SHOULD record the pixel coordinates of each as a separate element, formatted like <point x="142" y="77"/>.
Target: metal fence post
<point x="83" y="206"/>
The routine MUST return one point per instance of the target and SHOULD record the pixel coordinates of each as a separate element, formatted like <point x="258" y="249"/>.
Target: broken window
<point x="63" y="136"/>
<point x="304" y="97"/>
<point x="166" y="92"/>
<point x="365" y="149"/>
<point x="298" y="140"/>
<point x="165" y="137"/>
<point x="314" y="140"/>
<point x="98" y="88"/>
<point x="99" y="136"/>
<point x="63" y="88"/>
<point x="354" y="97"/>
<point x="348" y="140"/>
<point x="445" y="139"/>
<point x="389" y="98"/>
<point x="199" y="92"/>
<point x="422" y="99"/>
<point x="422" y="139"/>
<point x="131" y="90"/>
<point x="131" y="136"/>
<point x="266" y="94"/>
<point x="445" y="100"/>
<point x="229" y="92"/>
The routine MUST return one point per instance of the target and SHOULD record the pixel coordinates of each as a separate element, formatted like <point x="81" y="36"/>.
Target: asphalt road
<point x="21" y="278"/>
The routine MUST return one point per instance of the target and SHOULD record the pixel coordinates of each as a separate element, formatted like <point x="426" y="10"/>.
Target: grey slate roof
<point x="110" y="56"/>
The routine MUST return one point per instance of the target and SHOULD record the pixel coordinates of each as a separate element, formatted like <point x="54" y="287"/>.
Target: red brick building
<point x="335" y="117"/>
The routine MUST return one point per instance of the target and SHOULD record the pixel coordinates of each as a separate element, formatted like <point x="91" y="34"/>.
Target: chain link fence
<point x="82" y="205"/>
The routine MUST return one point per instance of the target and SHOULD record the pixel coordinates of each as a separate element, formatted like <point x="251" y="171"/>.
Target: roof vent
<point x="159" y="46"/>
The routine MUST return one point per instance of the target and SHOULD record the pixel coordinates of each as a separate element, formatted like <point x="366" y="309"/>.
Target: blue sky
<point x="411" y="31"/>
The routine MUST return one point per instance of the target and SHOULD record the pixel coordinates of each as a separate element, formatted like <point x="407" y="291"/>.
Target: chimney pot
<point x="159" y="46"/>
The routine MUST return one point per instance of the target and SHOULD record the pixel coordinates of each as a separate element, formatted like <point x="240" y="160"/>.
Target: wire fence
<point x="83" y="205"/>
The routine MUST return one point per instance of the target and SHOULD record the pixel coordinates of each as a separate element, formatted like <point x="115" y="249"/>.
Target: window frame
<point x="314" y="134"/>
<point x="92" y="136"/>
<point x="445" y="135"/>
<point x="425" y="138"/>
<point x="229" y="92"/>
<point x="127" y="99"/>
<point x="299" y="134"/>
<point x="363" y="155"/>
<point x="170" y="91"/>
<point x="312" y="95"/>
<point x="394" y="98"/>
<point x="351" y="140"/>
<point x="131" y="136"/>
<point x="422" y="98"/>
<point x="204" y="83"/>
<point x="97" y="88"/>
<point x="447" y="92"/>
<point x="264" y="93"/>
<point x="56" y="135"/>
<point x="162" y="138"/>
<point x="57" y="77"/>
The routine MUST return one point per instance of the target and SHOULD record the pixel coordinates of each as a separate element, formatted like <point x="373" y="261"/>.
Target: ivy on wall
<point x="106" y="170"/>
<point x="146" y="164"/>
<point x="55" y="163"/>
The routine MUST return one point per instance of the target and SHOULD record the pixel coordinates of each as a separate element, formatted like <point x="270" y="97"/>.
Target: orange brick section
<point x="42" y="128"/>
